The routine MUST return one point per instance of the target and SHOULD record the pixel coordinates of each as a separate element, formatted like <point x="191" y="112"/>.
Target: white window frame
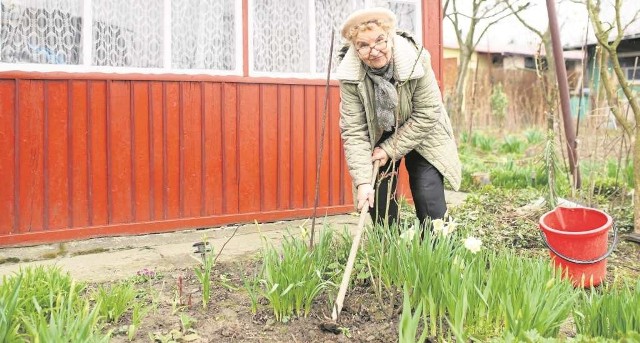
<point x="87" y="51"/>
<point x="312" y="39"/>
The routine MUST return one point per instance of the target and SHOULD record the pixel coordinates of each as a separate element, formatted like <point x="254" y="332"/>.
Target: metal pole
<point x="321" y="149"/>
<point x="563" y="87"/>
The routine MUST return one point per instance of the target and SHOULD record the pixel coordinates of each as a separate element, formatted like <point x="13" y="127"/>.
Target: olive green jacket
<point x="423" y="123"/>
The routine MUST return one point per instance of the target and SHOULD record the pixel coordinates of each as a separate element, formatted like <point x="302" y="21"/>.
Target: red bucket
<point x="577" y="240"/>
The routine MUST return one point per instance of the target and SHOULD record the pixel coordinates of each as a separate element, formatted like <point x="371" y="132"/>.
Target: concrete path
<point x="114" y="258"/>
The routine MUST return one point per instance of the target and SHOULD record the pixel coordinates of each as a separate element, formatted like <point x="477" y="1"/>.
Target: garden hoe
<point x="346" y="277"/>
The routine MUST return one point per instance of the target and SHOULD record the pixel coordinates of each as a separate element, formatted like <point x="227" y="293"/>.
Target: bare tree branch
<point x="491" y="24"/>
<point x="524" y="22"/>
<point x="635" y="18"/>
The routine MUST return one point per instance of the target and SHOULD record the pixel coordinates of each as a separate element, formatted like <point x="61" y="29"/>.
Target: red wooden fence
<point x="90" y="156"/>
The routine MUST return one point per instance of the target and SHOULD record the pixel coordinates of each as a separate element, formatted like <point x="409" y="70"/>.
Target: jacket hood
<point x="405" y="59"/>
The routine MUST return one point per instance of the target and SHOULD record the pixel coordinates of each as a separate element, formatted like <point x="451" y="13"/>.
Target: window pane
<point x="629" y="62"/>
<point x="44" y="31"/>
<point x="203" y="34"/>
<point x="127" y="33"/>
<point x="281" y="36"/>
<point x="406" y="14"/>
<point x="330" y="14"/>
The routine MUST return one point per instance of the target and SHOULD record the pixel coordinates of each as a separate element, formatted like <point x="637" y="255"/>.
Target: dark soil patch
<point x="228" y="318"/>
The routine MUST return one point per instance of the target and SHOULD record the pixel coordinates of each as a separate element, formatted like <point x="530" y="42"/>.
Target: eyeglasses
<point x="366" y="49"/>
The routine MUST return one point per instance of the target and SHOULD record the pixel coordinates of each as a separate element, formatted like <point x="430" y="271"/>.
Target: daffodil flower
<point x="452" y="225"/>
<point x="408" y="235"/>
<point x="438" y="225"/>
<point x="472" y="244"/>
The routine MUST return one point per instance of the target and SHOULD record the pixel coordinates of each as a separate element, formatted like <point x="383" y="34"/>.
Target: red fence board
<point x="298" y="153"/>
<point x="97" y="158"/>
<point x="284" y="147"/>
<point x="172" y="141"/>
<point x="157" y="150"/>
<point x="310" y="150"/>
<point x="269" y="152"/>
<point x="7" y="157"/>
<point x="248" y="148"/>
<point x="78" y="150"/>
<point x="212" y="149"/>
<point x="56" y="159"/>
<point x="229" y="155"/>
<point x="30" y="150"/>
<point x="120" y="169"/>
<point x="191" y="150"/>
<point x="140" y="152"/>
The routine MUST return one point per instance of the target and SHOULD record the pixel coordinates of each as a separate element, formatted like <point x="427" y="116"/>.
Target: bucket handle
<point x="576" y="261"/>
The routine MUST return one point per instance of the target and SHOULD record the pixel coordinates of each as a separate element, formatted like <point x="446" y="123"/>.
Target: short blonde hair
<point x="353" y="32"/>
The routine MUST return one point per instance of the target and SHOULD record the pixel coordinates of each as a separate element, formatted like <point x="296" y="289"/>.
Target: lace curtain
<point x="124" y="33"/>
<point x="127" y="33"/>
<point x="130" y="33"/>
<point x="281" y="38"/>
<point x="40" y="31"/>
<point x="407" y="16"/>
<point x="330" y="14"/>
<point x="203" y="34"/>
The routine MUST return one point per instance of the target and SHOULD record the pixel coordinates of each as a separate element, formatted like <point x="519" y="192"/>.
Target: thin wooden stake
<point x="324" y="120"/>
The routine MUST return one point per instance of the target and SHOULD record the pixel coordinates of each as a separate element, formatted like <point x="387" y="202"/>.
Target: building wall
<point x="513" y="63"/>
<point x="98" y="154"/>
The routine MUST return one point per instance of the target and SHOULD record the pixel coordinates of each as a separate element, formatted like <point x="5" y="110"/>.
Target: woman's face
<point x="373" y="47"/>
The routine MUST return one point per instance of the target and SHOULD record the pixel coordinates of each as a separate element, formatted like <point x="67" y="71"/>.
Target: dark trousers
<point x="427" y="190"/>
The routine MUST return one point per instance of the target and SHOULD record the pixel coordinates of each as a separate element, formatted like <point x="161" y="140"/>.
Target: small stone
<point x="268" y="326"/>
<point x="226" y="332"/>
<point x="370" y="338"/>
<point x="229" y="314"/>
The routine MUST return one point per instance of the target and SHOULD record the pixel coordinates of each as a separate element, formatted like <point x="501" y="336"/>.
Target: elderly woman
<point x="391" y="107"/>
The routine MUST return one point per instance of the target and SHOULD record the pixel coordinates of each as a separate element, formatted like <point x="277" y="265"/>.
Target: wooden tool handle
<point x="346" y="277"/>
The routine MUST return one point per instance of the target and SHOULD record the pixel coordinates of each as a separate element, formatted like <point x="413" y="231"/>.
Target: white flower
<point x="473" y="244"/>
<point x="445" y="228"/>
<point x="452" y="224"/>
<point x="438" y="225"/>
<point x="408" y="235"/>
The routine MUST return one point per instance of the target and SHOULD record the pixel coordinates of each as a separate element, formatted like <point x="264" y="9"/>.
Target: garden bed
<point x="400" y="287"/>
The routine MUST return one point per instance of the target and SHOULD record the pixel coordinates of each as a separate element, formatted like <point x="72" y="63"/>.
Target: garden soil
<point x="180" y="316"/>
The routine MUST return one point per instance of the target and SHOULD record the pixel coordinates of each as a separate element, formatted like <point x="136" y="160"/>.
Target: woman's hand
<point x="380" y="154"/>
<point x="365" y="192"/>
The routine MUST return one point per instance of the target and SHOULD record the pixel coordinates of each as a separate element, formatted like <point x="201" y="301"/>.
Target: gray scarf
<point x="386" y="95"/>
